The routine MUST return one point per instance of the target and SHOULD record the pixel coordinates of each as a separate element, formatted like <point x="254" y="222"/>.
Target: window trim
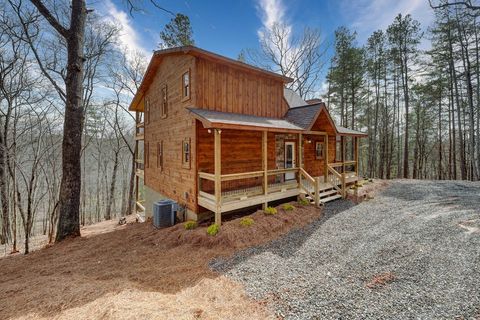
<point x="322" y="155"/>
<point x="160" y="155"/>
<point x="164" y="102"/>
<point x="147" y="110"/>
<point x="186" y="163"/>
<point x="186" y="97"/>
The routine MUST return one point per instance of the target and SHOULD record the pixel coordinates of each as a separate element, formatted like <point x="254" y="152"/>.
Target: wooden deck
<point x="246" y="197"/>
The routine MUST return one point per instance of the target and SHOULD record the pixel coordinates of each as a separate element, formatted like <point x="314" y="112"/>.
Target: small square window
<point x="186" y="153"/>
<point x="319" y="150"/>
<point x="186" y="85"/>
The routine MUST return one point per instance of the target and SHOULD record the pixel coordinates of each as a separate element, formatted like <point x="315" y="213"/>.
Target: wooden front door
<point x="289" y="159"/>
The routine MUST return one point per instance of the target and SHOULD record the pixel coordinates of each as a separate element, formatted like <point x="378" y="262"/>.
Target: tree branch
<point x="50" y="18"/>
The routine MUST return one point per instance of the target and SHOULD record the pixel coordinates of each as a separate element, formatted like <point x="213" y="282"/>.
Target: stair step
<point x="331" y="198"/>
<point x="327" y="193"/>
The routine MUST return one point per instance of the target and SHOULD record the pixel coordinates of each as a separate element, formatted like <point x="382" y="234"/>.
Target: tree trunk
<point x="70" y="187"/>
<point x="108" y="211"/>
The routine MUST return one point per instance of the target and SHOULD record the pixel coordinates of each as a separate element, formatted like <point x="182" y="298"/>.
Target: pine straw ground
<point x="140" y="272"/>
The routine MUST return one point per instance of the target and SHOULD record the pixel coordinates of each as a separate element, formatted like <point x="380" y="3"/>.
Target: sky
<point x="228" y="26"/>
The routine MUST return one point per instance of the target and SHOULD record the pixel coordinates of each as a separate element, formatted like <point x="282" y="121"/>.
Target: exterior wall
<point x="230" y="89"/>
<point x="241" y="152"/>
<point x="173" y="180"/>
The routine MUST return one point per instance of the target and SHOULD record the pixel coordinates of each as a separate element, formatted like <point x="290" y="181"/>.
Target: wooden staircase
<point x="311" y="187"/>
<point x="325" y="195"/>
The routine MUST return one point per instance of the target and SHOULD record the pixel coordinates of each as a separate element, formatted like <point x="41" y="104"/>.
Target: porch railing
<point x="240" y="186"/>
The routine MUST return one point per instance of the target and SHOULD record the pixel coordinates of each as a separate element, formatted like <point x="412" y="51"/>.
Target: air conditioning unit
<point x="164" y="213"/>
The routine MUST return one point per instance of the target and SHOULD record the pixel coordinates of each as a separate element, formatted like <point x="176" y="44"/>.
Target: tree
<point x="178" y="32"/>
<point x="404" y="36"/>
<point x="297" y="57"/>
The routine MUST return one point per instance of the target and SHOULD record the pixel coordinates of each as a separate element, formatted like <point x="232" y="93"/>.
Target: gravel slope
<point x="425" y="233"/>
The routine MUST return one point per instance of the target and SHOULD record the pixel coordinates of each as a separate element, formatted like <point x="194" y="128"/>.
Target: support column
<point x="300" y="150"/>
<point x="356" y="156"/>
<point x="343" y="167"/>
<point x="325" y="161"/>
<point x="265" y="167"/>
<point x="218" y="173"/>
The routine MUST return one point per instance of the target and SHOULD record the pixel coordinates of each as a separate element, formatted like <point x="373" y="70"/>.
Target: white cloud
<point x="272" y="12"/>
<point x="129" y="38"/>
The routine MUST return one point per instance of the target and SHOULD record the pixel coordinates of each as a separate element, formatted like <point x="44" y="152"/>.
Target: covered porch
<point x="240" y="165"/>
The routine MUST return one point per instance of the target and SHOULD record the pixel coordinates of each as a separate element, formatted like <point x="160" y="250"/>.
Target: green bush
<point x="190" y="225"/>
<point x="288" y="207"/>
<point x="270" y="211"/>
<point x="303" y="202"/>
<point x="246" y="222"/>
<point x="213" y="229"/>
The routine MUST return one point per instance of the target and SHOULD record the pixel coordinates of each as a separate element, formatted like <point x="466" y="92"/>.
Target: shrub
<point x="288" y="207"/>
<point x="246" y="222"/>
<point x="303" y="202"/>
<point x="270" y="211"/>
<point x="213" y="229"/>
<point x="190" y="225"/>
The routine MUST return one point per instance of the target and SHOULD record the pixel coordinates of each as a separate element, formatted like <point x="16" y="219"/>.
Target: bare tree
<point x="300" y="58"/>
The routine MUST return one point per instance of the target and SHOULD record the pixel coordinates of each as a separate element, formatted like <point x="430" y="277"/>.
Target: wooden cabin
<point x="217" y="135"/>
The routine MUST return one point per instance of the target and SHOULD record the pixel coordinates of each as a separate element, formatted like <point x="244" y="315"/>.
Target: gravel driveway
<point x="424" y="233"/>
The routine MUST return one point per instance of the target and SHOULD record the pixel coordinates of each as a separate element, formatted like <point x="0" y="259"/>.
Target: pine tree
<point x="178" y="32"/>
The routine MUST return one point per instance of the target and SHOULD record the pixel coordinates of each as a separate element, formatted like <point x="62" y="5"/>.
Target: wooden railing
<point x="310" y="185"/>
<point x="335" y="178"/>
<point x="251" y="184"/>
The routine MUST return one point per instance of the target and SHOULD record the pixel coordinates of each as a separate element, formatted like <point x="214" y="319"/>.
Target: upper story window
<point x="147" y="111"/>
<point x="164" y="107"/>
<point x="186" y="85"/>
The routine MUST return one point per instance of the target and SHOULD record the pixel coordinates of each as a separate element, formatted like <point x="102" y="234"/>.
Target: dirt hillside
<point x="139" y="272"/>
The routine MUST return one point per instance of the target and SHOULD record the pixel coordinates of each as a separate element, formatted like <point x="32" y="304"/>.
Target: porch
<point x="220" y="191"/>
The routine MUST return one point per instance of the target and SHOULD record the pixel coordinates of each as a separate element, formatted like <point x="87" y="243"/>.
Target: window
<point x="164" y="108"/>
<point x="186" y="155"/>
<point x="147" y="111"/>
<point x="160" y="155"/>
<point x="146" y="155"/>
<point x="319" y="150"/>
<point x="186" y="85"/>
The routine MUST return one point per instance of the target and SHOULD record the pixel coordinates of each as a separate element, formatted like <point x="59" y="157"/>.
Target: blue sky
<point x="228" y="26"/>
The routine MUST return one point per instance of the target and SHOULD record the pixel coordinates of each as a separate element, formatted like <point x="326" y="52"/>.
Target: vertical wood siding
<point x="230" y="89"/>
<point x="173" y="180"/>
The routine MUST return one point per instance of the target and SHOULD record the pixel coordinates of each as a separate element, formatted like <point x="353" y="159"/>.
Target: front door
<point x="289" y="159"/>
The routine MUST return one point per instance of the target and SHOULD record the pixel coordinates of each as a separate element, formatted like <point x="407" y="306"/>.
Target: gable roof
<point x="158" y="55"/>
<point x="229" y="120"/>
<point x="305" y="117"/>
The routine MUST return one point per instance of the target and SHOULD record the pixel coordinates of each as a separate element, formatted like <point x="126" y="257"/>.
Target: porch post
<point x="218" y="173"/>
<point x="265" y="167"/>
<point x="356" y="156"/>
<point x="325" y="161"/>
<point x="300" y="159"/>
<point x="300" y="150"/>
<point x="343" y="166"/>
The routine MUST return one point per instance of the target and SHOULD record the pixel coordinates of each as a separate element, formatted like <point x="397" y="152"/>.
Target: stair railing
<point x="310" y="185"/>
